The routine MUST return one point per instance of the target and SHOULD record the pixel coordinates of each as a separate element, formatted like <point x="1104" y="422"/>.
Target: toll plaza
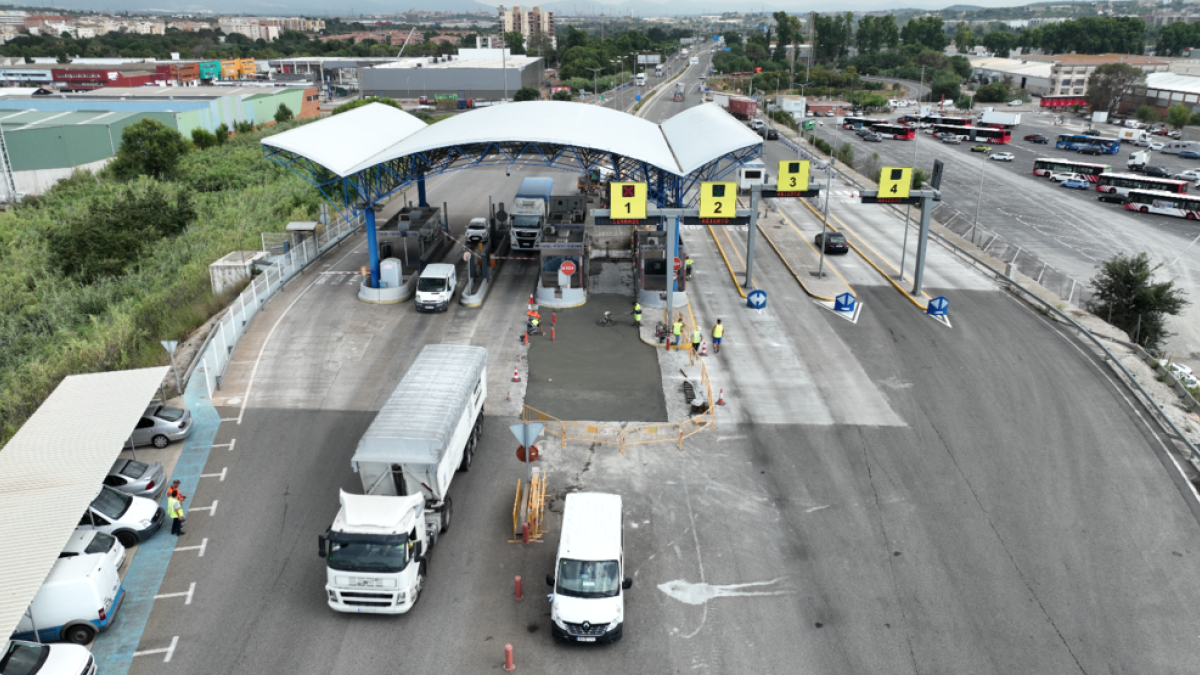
<point x="653" y="265"/>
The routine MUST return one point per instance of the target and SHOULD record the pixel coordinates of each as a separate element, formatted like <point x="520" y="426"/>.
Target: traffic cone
<point x="704" y="348"/>
<point x="721" y="398"/>
<point x="516" y="375"/>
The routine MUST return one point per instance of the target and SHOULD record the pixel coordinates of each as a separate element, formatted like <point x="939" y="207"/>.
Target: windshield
<point x="169" y="414"/>
<point x="112" y="503"/>
<point x="526" y="221"/>
<point x="101" y="543"/>
<point x="131" y="468"/>
<point x="431" y="285"/>
<point x="363" y="556"/>
<point x="589" y="578"/>
<point x="23" y="658"/>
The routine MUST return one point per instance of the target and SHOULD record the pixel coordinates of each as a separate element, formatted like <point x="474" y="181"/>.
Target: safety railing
<point x="219" y="345"/>
<point x="534" y="508"/>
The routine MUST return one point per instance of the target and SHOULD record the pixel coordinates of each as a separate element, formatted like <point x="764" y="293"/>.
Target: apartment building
<point x="527" y="23"/>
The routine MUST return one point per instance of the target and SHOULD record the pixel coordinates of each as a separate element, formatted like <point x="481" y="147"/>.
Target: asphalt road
<point x="889" y="496"/>
<point x="1069" y="230"/>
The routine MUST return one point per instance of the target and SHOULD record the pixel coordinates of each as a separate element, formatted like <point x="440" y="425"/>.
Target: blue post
<point x="674" y="255"/>
<point x="421" y="191"/>
<point x="372" y="247"/>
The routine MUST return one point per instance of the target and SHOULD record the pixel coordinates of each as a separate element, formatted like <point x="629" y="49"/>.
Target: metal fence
<point x="218" y="346"/>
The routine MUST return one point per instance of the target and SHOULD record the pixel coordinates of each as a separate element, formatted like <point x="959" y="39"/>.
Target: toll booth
<point x="564" y="266"/>
<point x="414" y="235"/>
<point x="652" y="267"/>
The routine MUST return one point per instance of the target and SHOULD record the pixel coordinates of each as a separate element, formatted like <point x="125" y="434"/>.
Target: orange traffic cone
<point x="704" y="348"/>
<point x="721" y="398"/>
<point x="516" y="375"/>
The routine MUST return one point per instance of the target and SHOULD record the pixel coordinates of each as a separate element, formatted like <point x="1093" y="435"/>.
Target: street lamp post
<point x="908" y="209"/>
<point x="979" y="203"/>
<point x="825" y="218"/>
<point x="595" y="90"/>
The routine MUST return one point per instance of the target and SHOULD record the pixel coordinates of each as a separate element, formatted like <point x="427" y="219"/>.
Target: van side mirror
<point x="550" y="580"/>
<point x="321" y="545"/>
<point x="628" y="583"/>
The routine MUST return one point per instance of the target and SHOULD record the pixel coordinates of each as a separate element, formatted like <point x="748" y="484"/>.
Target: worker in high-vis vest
<point x="677" y="329"/>
<point x="717" y="333"/>
<point x="697" y="337"/>
<point x="637" y="313"/>
<point x="688" y="266"/>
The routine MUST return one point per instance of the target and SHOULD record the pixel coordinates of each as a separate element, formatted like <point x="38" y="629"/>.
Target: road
<point x="1070" y="231"/>
<point x="895" y="495"/>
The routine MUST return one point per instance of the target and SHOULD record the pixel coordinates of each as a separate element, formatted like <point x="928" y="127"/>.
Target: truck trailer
<point x="1007" y="120"/>
<point x="377" y="549"/>
<point x="531" y="212"/>
<point x="743" y="108"/>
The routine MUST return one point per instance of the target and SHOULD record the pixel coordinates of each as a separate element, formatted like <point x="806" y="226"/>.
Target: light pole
<point x="908" y="209"/>
<point x="825" y="218"/>
<point x="595" y="91"/>
<point x="979" y="203"/>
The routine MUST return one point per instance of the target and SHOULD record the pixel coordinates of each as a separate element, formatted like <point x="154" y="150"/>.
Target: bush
<point x="283" y="114"/>
<point x="243" y="127"/>
<point x="527" y="94"/>
<point x="148" y="148"/>
<point x="562" y="96"/>
<point x="222" y="133"/>
<point x="358" y="103"/>
<point x="204" y="139"/>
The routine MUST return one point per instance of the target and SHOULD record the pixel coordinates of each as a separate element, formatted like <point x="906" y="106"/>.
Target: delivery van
<point x="91" y="542"/>
<point x="78" y="599"/>
<point x="435" y="287"/>
<point x="130" y="519"/>
<point x="30" y="658"/>
<point x="588" y="604"/>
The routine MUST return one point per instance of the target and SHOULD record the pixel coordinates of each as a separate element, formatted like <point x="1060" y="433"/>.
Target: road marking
<point x="229" y="419"/>
<point x="186" y="594"/>
<point x="700" y="594"/>
<point x="224" y="445"/>
<point x="169" y="651"/>
<point x="816" y="508"/>
<point x="211" y="508"/>
<point x="202" y="547"/>
<point x="216" y="475"/>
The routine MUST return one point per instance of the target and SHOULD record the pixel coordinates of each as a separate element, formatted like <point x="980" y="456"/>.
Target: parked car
<point x="873" y="138"/>
<point x="1158" y="171"/>
<point x="35" y="658"/>
<point x="949" y="139"/>
<point x="160" y="425"/>
<point x="1156" y="146"/>
<point x="137" y="478"/>
<point x="829" y="113"/>
<point x="863" y="131"/>
<point x="1015" y="102"/>
<point x="1091" y="150"/>
<point x="1112" y="198"/>
<point x="769" y="133"/>
<point x="834" y="242"/>
<point x="929" y="132"/>
<point x="1001" y="157"/>
<point x="1189" y="154"/>
<point x="1075" y="184"/>
<point x="477" y="231"/>
<point x="1188" y="174"/>
<point x="1060" y="176"/>
<point x="130" y="519"/>
<point x="1037" y="138"/>
<point x="980" y="148"/>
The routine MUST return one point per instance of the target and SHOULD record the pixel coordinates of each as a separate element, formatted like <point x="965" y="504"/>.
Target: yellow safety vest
<point x="533" y="322"/>
<point x="174" y="509"/>
<point x="718" y="330"/>
<point x="688" y="261"/>
<point x="697" y="335"/>
<point x="678" y="328"/>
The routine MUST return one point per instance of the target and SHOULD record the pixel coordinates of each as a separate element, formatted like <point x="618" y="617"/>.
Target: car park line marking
<point x="229" y="419"/>
<point x="226" y="445"/>
<point x="211" y="508"/>
<point x="201" y="548"/>
<point x="186" y="594"/>
<point x="216" y="475"/>
<point x="168" y="651"/>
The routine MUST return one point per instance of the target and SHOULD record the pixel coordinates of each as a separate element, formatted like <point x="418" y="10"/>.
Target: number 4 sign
<point x="628" y="200"/>
<point x="895" y="182"/>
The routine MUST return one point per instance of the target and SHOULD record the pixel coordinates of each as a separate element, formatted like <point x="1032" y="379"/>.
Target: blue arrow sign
<point x="756" y="299"/>
<point x="637" y="97"/>
<point x="844" y="303"/>
<point x="938" y="306"/>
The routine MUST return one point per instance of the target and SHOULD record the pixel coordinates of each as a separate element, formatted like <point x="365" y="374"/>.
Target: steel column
<point x="372" y="247"/>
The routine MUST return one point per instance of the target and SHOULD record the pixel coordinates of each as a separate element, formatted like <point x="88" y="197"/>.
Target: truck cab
<point x="374" y="554"/>
<point x="530" y="212"/>
<point x="641" y="79"/>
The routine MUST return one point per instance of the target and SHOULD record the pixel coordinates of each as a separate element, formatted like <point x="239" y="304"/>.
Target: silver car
<point x="137" y="478"/>
<point x="160" y="425"/>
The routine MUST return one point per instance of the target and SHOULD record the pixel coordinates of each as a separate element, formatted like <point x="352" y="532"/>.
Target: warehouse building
<point x="488" y="74"/>
<point x="1032" y="76"/>
<point x="1163" y="90"/>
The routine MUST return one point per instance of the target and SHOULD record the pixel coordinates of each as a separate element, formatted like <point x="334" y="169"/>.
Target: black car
<point x="1037" y="138"/>
<point x="1157" y="172"/>
<point x="768" y="134"/>
<point x="1112" y="198"/>
<point x="1091" y="150"/>
<point x="834" y="242"/>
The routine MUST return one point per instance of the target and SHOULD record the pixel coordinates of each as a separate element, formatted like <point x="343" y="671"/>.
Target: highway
<point x="891" y="496"/>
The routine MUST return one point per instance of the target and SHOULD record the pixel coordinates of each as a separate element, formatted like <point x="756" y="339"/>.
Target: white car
<point x="927" y="131"/>
<point x="477" y="230"/>
<point x="1190" y="174"/>
<point x="1156" y="146"/>
<point x="1001" y="157"/>
<point x="1015" y="102"/>
<point x="1066" y="175"/>
<point x="1176" y="368"/>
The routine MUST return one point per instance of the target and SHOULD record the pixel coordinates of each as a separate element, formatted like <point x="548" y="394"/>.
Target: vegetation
<point x="360" y="102"/>
<point x="527" y="94"/>
<point x="578" y="53"/>
<point x="283" y="113"/>
<point x="1109" y="82"/>
<point x="1178" y="115"/>
<point x="1147" y="114"/>
<point x="150" y="148"/>
<point x="1126" y="294"/>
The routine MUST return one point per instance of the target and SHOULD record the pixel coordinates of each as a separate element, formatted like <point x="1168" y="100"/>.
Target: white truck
<point x="1133" y="136"/>
<point x="377" y="549"/>
<point x="1007" y="119"/>
<point x="531" y="212"/>
<point x="658" y="70"/>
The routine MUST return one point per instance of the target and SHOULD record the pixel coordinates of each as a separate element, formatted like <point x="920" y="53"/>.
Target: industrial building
<point x="1163" y="90"/>
<point x="1032" y="76"/>
<point x="473" y="73"/>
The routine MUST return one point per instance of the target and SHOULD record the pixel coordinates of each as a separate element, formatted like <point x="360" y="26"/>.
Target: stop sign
<point x="567" y="268"/>
<point x="678" y="264"/>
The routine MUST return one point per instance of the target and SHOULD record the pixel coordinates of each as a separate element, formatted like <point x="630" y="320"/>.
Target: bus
<point x="1047" y="166"/>
<point x="952" y="121"/>
<point x="982" y="134"/>
<point x="1110" y="146"/>
<point x="897" y="132"/>
<point x="1165" y="203"/>
<point x="855" y="122"/>
<point x="1122" y="183"/>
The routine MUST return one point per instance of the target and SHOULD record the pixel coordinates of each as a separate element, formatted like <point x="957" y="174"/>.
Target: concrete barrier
<point x="388" y="296"/>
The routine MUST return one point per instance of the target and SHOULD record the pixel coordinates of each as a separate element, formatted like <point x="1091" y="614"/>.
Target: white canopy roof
<point x="376" y="133"/>
<point x="52" y="469"/>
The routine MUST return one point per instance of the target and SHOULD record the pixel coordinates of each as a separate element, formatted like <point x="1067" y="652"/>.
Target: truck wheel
<point x="468" y="455"/>
<point x="447" y="508"/>
<point x="420" y="584"/>
<point x="79" y="634"/>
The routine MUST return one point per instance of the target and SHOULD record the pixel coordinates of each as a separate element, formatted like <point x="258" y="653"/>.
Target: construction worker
<point x="534" y="325"/>
<point x="175" y="511"/>
<point x="697" y="337"/>
<point x="717" y="332"/>
<point x="688" y="266"/>
<point x="677" y="330"/>
<point x="637" y="313"/>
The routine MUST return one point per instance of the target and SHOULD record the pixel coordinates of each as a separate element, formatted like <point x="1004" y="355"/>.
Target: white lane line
<point x="186" y="594"/>
<point x="169" y="651"/>
<point x="211" y="508"/>
<point x="226" y="445"/>
<point x="229" y="419"/>
<point x="201" y="548"/>
<point x="216" y="475"/>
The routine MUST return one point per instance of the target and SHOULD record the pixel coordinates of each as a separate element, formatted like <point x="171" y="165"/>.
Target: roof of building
<point x="1013" y="66"/>
<point x="1189" y="84"/>
<point x="18" y="120"/>
<point x="50" y="472"/>
<point x="511" y="61"/>
<point x="1097" y="59"/>
<point x="152" y="93"/>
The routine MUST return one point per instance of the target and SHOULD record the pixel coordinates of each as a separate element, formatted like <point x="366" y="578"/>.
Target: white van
<point x="78" y="599"/>
<point x="91" y="542"/>
<point x="658" y="70"/>
<point x="752" y="173"/>
<point x="436" y="287"/>
<point x="588" y="604"/>
<point x="30" y="658"/>
<point x="130" y="519"/>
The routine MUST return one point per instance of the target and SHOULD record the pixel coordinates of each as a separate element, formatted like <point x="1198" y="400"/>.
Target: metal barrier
<point x="218" y="346"/>
<point x="535" y="508"/>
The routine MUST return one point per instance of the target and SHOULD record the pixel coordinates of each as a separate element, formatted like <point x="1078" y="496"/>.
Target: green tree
<point x="561" y="95"/>
<point x="962" y="66"/>
<point x="845" y="155"/>
<point x="945" y="85"/>
<point x="964" y="103"/>
<point x="928" y="31"/>
<point x="222" y="133"/>
<point x="1000" y="42"/>
<point x="1147" y="114"/>
<point x="527" y="94"/>
<point x="1126" y="294"/>
<point x="149" y="148"/>
<point x="204" y="139"/>
<point x="283" y="113"/>
<point x="515" y="42"/>
<point x="1109" y="82"/>
<point x="1178" y="115"/>
<point x="360" y="102"/>
<point x="964" y="38"/>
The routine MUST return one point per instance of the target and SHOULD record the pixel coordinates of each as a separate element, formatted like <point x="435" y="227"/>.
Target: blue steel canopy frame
<point x="358" y="192"/>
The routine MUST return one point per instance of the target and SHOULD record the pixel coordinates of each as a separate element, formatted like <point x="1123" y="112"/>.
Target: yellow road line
<point x="814" y="250"/>
<point x="732" y="274"/>
<point x="733" y="245"/>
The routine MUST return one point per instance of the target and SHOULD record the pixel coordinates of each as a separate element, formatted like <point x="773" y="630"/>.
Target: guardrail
<point x="218" y="347"/>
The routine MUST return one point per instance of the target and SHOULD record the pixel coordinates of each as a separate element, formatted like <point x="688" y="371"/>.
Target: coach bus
<point x="897" y="132"/>
<point x="982" y="134"/>
<point x="1165" y="203"/>
<point x="1047" y="166"/>
<point x="855" y="122"/>
<point x="1109" y="146"/>
<point x="1122" y="183"/>
<point x="952" y="121"/>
